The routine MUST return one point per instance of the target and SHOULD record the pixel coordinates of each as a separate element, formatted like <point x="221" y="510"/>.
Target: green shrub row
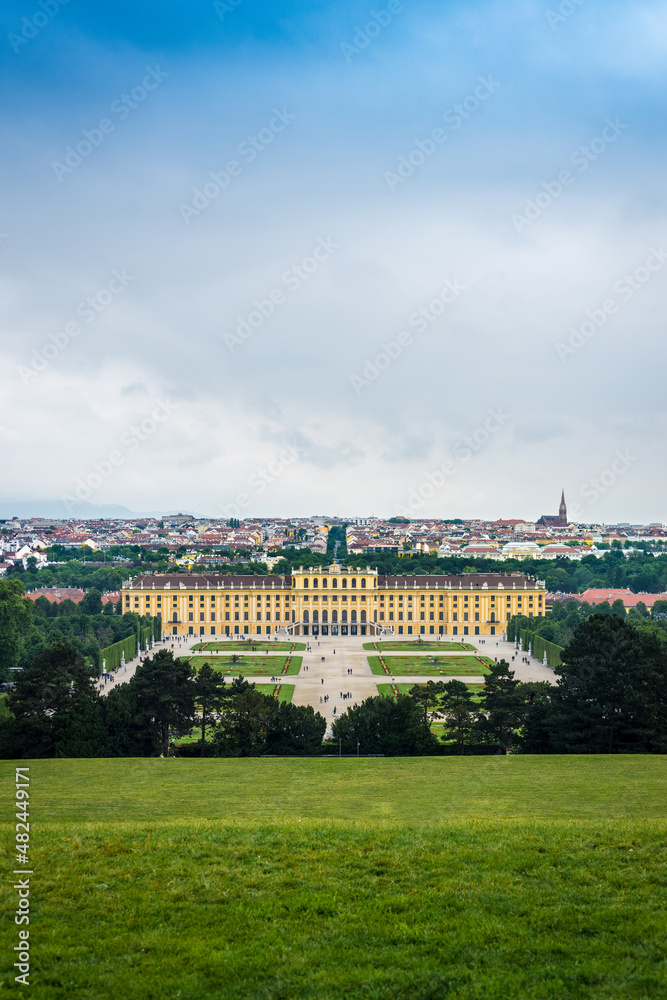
<point x="113" y="654"/>
<point x="541" y="646"/>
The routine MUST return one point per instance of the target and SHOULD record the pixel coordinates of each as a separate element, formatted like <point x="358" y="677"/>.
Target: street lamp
<point x="357" y="748"/>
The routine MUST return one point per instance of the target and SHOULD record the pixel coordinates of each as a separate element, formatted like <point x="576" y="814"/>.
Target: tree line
<point x="559" y="624"/>
<point x="28" y="627"/>
<point x="610" y="696"/>
<point x="56" y="710"/>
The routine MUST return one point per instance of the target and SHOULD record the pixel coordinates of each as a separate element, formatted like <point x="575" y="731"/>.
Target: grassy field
<point x="247" y="666"/>
<point x="423" y="666"/>
<point x="413" y="644"/>
<point x="501" y="878"/>
<point x="263" y="645"/>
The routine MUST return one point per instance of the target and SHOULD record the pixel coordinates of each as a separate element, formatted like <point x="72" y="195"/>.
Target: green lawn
<point x="263" y="645"/>
<point x="423" y="666"/>
<point x="428" y="647"/>
<point x="488" y="878"/>
<point x="285" y="691"/>
<point x="247" y="666"/>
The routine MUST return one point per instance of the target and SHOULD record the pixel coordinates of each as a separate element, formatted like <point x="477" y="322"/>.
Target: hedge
<point x="113" y="654"/>
<point x="541" y="646"/>
<point x="128" y="645"/>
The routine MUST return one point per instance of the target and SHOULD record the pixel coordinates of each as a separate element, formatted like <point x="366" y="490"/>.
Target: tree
<point x="50" y="695"/>
<point x="535" y="736"/>
<point x="427" y="695"/>
<point x="611" y="695"/>
<point x="242" y="731"/>
<point x="394" y="727"/>
<point x="210" y="692"/>
<point x="457" y="708"/>
<point x="295" y="730"/>
<point x="15" y="623"/>
<point x="165" y="696"/>
<point x="91" y="603"/>
<point x="503" y="707"/>
<point x="128" y="734"/>
<point x="618" y="608"/>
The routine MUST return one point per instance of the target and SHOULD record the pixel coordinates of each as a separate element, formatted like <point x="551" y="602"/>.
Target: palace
<point x="334" y="600"/>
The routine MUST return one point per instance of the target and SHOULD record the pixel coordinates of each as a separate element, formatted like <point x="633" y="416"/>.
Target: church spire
<point x="562" y="510"/>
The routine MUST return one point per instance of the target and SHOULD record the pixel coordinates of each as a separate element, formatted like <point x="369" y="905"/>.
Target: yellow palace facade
<point x="334" y="600"/>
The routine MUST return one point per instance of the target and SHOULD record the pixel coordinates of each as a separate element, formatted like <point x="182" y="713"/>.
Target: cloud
<point x="321" y="178"/>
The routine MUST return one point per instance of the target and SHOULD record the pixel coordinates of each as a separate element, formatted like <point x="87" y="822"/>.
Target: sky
<point x="335" y="258"/>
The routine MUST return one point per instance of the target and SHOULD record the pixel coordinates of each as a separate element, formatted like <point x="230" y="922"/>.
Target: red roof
<point x="596" y="595"/>
<point x="58" y="594"/>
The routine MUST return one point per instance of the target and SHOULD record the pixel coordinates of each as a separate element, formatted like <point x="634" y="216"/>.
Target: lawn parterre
<point x="283" y="692"/>
<point x="250" y="645"/>
<point x="248" y="666"/>
<point x="424" y="666"/>
<point x="393" y="879"/>
<point x="412" y="644"/>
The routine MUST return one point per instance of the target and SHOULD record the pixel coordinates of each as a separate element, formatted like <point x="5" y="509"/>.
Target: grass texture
<point x="374" y="879"/>
<point x="259" y="644"/>
<point x="423" y="666"/>
<point x="247" y="666"/>
<point x="411" y="644"/>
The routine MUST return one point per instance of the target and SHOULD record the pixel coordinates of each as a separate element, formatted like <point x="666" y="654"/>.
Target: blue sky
<point x="341" y="118"/>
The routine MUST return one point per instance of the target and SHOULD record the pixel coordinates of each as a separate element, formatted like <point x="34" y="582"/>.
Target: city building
<point x="558" y="520"/>
<point x="334" y="600"/>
